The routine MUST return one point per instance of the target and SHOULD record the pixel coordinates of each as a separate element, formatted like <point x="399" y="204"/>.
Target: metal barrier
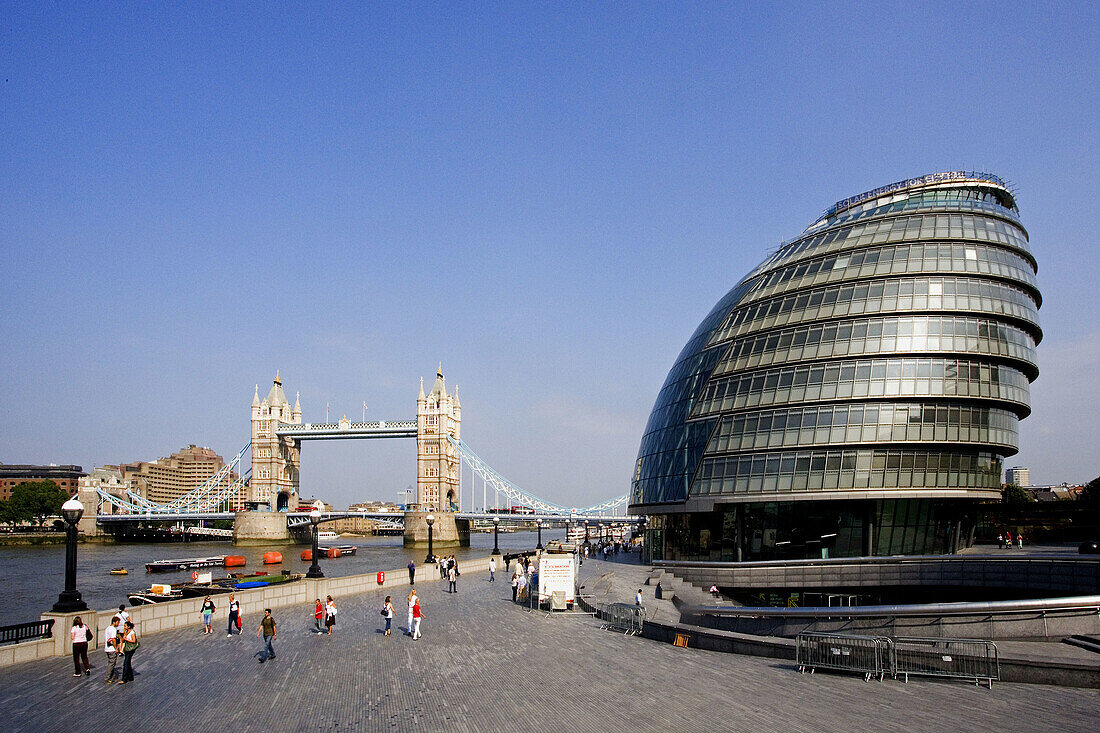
<point x="623" y="617"/>
<point x="25" y="632"/>
<point x="971" y="659"/>
<point x="868" y="655"/>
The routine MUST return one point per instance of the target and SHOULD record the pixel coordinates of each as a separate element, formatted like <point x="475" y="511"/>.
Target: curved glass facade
<point x="875" y="367"/>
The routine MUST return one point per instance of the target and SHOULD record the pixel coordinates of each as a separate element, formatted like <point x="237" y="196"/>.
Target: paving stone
<point x="485" y="664"/>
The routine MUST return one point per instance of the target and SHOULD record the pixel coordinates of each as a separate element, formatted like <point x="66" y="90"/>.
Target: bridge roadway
<point x="485" y="664"/>
<point x="296" y="518"/>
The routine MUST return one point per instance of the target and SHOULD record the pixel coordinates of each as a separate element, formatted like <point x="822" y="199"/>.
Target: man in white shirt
<point x="492" y="569"/>
<point x="123" y="617"/>
<point x="110" y="645"/>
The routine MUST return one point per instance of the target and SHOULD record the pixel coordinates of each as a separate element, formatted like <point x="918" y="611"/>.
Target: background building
<point x="1019" y="475"/>
<point x="167" y="479"/>
<point x="438" y="415"/>
<point x="11" y="475"/>
<point x="857" y="392"/>
<point x="275" y="460"/>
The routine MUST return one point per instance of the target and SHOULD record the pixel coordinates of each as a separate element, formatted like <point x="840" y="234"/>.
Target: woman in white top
<point x="412" y="602"/>
<point x="330" y="614"/>
<point x="389" y="613"/>
<point x="80" y="635"/>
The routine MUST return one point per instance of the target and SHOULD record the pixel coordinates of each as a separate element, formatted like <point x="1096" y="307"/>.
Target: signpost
<point x="557" y="573"/>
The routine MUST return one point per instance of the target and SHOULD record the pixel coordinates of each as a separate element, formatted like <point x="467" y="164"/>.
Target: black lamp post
<point x="586" y="542"/>
<point x="314" y="569"/>
<point x="430" y="520"/>
<point x="538" y="524"/>
<point x="69" y="600"/>
<point x="496" y="535"/>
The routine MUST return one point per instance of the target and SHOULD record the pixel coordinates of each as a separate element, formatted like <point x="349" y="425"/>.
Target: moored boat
<point x="191" y="563"/>
<point x="157" y="593"/>
<point x="119" y="571"/>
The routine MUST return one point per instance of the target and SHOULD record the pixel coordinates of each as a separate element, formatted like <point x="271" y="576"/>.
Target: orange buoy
<point x="273" y="558"/>
<point x="234" y="561"/>
<point x="333" y="552"/>
<point x="307" y="555"/>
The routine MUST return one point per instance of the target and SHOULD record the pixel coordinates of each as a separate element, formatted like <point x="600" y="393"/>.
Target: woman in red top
<point x="318" y="614"/>
<point x="417" y="615"/>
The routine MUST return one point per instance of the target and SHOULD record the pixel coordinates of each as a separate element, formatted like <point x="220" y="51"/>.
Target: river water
<point x="33" y="576"/>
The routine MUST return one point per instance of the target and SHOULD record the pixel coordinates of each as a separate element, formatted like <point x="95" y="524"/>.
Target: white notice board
<point x="556" y="572"/>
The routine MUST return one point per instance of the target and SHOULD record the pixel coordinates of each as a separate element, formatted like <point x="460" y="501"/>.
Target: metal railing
<point x="878" y="656"/>
<point x="867" y="655"/>
<point x="623" y="617"/>
<point x="26" y="632"/>
<point x="972" y="659"/>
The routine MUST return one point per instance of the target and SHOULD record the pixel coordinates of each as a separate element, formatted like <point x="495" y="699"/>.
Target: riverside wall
<point x="169" y="615"/>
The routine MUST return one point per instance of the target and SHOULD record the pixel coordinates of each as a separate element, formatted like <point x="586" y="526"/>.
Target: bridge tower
<point x="275" y="460"/>
<point x="438" y="415"/>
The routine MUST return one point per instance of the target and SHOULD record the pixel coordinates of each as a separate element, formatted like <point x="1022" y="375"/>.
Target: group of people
<point x="1004" y="540"/>
<point x="448" y="570"/>
<point x="118" y="638"/>
<point x="325" y="612"/>
<point x="525" y="577"/>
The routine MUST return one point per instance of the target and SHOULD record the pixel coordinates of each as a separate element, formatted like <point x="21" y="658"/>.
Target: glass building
<point x="855" y="394"/>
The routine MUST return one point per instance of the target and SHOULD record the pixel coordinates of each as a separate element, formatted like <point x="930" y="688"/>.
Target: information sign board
<point x="556" y="573"/>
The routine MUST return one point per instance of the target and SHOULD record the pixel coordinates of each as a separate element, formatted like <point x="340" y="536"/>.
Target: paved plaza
<point x="487" y="665"/>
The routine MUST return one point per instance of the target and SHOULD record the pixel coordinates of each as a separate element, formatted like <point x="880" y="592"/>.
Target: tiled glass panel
<point x="882" y="296"/>
<point x="862" y="378"/>
<point x="867" y="336"/>
<point x="846" y="470"/>
<point x="870" y="422"/>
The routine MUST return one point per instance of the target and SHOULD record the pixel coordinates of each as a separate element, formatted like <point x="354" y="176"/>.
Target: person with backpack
<point x="388" y="612"/>
<point x="80" y="635"/>
<point x="130" y="645"/>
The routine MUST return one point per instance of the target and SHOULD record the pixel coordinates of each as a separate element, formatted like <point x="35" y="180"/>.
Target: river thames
<point x="34" y="575"/>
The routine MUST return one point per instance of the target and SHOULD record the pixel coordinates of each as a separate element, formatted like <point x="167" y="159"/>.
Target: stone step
<point x="1081" y="641"/>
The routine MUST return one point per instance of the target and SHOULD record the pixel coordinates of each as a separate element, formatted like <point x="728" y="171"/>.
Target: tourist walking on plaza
<point x="318" y="616"/>
<point x="123" y="617"/>
<point x="1020" y="540"/>
<point x="412" y="602"/>
<point x="492" y="569"/>
<point x="443" y="565"/>
<point x="110" y="645"/>
<point x="412" y="572"/>
<point x="81" y="635"/>
<point x="270" y="633"/>
<point x="330" y="614"/>
<point x="207" y="616"/>
<point x="389" y="613"/>
<point x="234" y="616"/>
<point x="417" y="614"/>
<point x="129" y="646"/>
<point x="515" y="583"/>
<point x="452" y="577"/>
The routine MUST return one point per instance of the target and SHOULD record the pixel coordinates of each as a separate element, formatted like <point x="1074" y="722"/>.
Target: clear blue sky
<point x="546" y="197"/>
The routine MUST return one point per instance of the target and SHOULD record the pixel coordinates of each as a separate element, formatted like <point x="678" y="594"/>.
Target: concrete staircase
<point x="1081" y="641"/>
<point x="681" y="592"/>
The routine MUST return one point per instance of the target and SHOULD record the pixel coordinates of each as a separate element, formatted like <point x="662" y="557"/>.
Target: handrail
<point x="24" y="632"/>
<point x="966" y="608"/>
<point x="877" y="560"/>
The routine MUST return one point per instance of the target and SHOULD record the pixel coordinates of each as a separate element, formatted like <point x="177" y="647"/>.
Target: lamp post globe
<point x="538" y="525"/>
<point x="430" y="519"/>
<point x="496" y="535"/>
<point x="69" y="600"/>
<point x="314" y="569"/>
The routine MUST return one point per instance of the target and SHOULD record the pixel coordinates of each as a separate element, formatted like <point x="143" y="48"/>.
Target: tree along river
<point x="34" y="575"/>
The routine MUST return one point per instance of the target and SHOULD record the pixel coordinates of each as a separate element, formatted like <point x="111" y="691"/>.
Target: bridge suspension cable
<point x="517" y="495"/>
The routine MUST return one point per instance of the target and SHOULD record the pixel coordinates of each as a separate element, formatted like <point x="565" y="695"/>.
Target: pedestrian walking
<point x="330" y="614"/>
<point x="1020" y="540"/>
<point x="318" y="617"/>
<point x="1000" y="541"/>
<point x="80" y="635"/>
<point x="492" y="569"/>
<point x="234" y="616"/>
<point x="270" y="633"/>
<point x="123" y="617"/>
<point x="417" y="615"/>
<point x="412" y="572"/>
<point x="412" y="602"/>
<point x="130" y="645"/>
<point x="515" y="582"/>
<point x="638" y="598"/>
<point x="452" y="577"/>
<point x="207" y="612"/>
<point x="443" y="568"/>
<point x="389" y="613"/>
<point x="110" y="645"/>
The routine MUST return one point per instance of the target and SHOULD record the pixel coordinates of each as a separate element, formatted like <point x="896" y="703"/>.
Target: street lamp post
<point x="496" y="535"/>
<point x="538" y="524"/>
<point x="69" y="600"/>
<point x="430" y="520"/>
<point x="314" y="569"/>
<point x="586" y="542"/>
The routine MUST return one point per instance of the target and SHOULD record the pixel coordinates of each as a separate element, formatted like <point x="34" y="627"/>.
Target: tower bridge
<point x="259" y="498"/>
